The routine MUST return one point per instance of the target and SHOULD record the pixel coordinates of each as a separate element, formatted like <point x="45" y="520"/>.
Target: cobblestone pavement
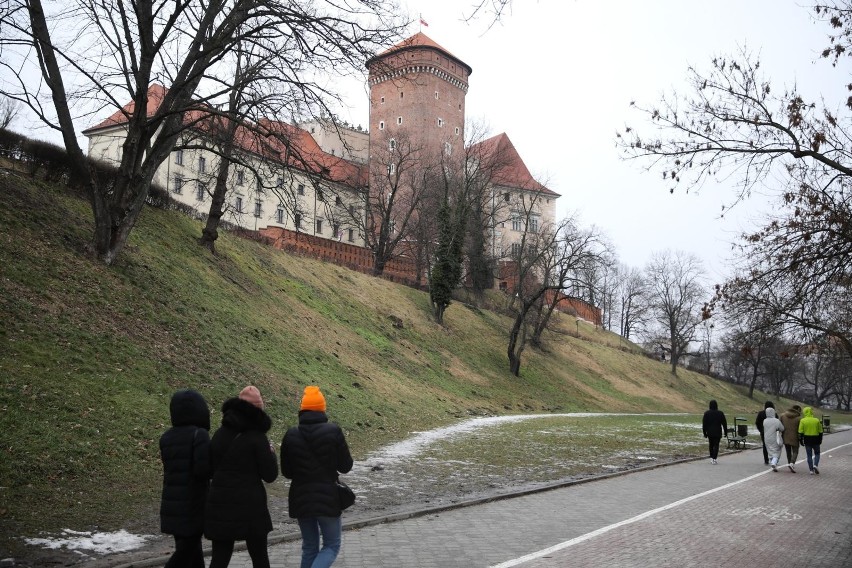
<point x="737" y="513"/>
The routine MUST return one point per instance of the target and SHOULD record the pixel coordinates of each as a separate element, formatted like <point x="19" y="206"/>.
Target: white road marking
<point x="645" y="515"/>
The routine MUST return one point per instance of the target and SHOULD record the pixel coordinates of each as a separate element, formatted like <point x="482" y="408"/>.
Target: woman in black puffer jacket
<point x="242" y="459"/>
<point x="185" y="452"/>
<point x="312" y="454"/>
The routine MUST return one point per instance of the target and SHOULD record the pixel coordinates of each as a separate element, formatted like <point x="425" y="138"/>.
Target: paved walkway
<point x="737" y="513"/>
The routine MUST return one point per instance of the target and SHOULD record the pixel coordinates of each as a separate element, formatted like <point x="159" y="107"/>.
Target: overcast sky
<point x="557" y="76"/>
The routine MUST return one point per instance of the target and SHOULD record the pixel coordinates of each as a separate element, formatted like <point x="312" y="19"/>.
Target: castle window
<point x="516" y="223"/>
<point x="200" y="190"/>
<point x="177" y="184"/>
<point x="516" y="249"/>
<point x="319" y="227"/>
<point x="383" y="100"/>
<point x="381" y="125"/>
<point x="506" y="196"/>
<point x="351" y="235"/>
<point x="399" y="120"/>
<point x="279" y="216"/>
<point x="401" y="95"/>
<point x="202" y="164"/>
<point x="238" y="204"/>
<point x="179" y="157"/>
<point x="257" y="208"/>
<point x="320" y="195"/>
<point x="300" y="189"/>
<point x="533" y="224"/>
<point x="440" y="123"/>
<point x="338" y="201"/>
<point x="240" y="177"/>
<point x="457" y="130"/>
<point x="297" y="221"/>
<point x="352" y="210"/>
<point x="448" y="148"/>
<point x="335" y="231"/>
<point x="391" y="169"/>
<point x="392" y="144"/>
<point x="436" y="95"/>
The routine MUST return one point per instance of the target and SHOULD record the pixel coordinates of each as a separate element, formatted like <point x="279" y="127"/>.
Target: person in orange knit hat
<point x="313" y="399"/>
<point x="312" y="455"/>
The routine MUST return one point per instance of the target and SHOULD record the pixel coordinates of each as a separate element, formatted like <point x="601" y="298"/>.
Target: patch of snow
<point x="414" y="445"/>
<point x="96" y="542"/>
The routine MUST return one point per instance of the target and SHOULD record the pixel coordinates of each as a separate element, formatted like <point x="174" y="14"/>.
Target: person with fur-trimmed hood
<point x="312" y="455"/>
<point x="242" y="459"/>
<point x="790" y="419"/>
<point x="185" y="453"/>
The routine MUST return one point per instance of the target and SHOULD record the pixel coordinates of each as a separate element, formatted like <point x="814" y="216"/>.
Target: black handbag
<point x="347" y="496"/>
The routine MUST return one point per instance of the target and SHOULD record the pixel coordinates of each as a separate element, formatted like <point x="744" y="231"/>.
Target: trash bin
<point x="826" y="423"/>
<point x="742" y="430"/>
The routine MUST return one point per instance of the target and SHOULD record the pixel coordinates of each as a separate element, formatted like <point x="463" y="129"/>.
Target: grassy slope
<point x="89" y="356"/>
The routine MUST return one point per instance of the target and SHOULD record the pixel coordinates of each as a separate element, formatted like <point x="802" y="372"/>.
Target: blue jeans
<point x="331" y="529"/>
<point x="812" y="461"/>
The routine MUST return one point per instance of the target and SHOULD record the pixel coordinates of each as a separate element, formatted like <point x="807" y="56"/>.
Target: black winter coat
<point x="312" y="454"/>
<point x="714" y="423"/>
<point x="185" y="452"/>
<point x="241" y="459"/>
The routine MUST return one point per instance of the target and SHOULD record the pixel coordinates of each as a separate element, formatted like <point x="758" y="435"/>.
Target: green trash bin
<point x="742" y="430"/>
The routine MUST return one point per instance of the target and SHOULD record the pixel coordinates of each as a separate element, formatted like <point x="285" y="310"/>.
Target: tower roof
<point x="510" y="170"/>
<point x="418" y="40"/>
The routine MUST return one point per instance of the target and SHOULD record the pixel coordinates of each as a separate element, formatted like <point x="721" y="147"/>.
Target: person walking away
<point x="241" y="460"/>
<point x="185" y="453"/>
<point x="790" y="419"/>
<point x="312" y="455"/>
<point x="810" y="434"/>
<point x="714" y="426"/>
<point x="761" y="416"/>
<point x="772" y="429"/>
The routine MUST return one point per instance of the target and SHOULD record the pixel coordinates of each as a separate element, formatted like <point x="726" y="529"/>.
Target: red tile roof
<point x="282" y="142"/>
<point x="156" y="93"/>
<point x="510" y="171"/>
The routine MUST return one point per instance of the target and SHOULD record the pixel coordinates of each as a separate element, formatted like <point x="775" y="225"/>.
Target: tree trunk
<point x="217" y="206"/>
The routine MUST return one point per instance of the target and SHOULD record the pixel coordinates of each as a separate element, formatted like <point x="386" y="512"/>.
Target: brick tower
<point x="419" y="87"/>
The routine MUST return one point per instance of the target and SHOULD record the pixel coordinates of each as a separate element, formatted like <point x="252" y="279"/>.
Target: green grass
<point x="89" y="356"/>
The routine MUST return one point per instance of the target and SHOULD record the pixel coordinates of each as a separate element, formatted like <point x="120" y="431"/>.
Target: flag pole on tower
<point x="423" y="22"/>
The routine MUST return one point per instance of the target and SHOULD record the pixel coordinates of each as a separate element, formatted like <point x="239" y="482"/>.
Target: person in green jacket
<point x="810" y="434"/>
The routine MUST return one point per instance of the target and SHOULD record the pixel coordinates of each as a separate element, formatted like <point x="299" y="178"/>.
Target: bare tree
<point x="578" y="251"/>
<point x="735" y="121"/>
<point x="545" y="264"/>
<point x="632" y="301"/>
<point x="123" y="47"/>
<point x="676" y="293"/>
<point x="401" y="175"/>
<point x="8" y="111"/>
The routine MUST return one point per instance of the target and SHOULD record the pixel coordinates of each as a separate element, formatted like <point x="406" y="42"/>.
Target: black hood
<point x="714" y="405"/>
<point x="188" y="408"/>
<point x="768" y="404"/>
<point x="242" y="416"/>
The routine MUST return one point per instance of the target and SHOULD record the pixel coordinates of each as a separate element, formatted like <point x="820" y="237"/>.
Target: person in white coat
<point x="772" y="428"/>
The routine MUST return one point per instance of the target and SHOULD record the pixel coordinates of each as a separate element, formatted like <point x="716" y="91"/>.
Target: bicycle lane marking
<point x="588" y="536"/>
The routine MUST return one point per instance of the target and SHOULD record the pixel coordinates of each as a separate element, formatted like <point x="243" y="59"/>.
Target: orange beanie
<point x="313" y="399"/>
<point x="252" y="395"/>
